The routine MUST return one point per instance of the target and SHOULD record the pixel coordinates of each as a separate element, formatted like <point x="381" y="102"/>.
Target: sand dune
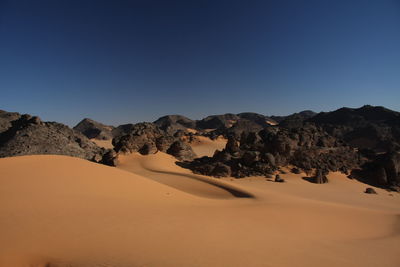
<point x="71" y="212"/>
<point x="103" y="143"/>
<point x="204" y="146"/>
<point x="161" y="167"/>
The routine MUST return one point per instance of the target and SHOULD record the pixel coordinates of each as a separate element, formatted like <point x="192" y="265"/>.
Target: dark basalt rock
<point x="383" y="169"/>
<point x="221" y="170"/>
<point x="110" y="158"/>
<point x="320" y="177"/>
<point x="142" y="138"/>
<point x="278" y="179"/>
<point x="250" y="157"/>
<point x="148" y="138"/>
<point x="93" y="129"/>
<point x="261" y="153"/>
<point x="217" y="121"/>
<point x="295" y="171"/>
<point x="370" y="190"/>
<point x="181" y="151"/>
<point x="28" y="135"/>
<point x="164" y="142"/>
<point x="368" y="127"/>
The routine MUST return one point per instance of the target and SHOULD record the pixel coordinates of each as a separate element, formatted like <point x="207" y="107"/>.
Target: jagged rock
<point x="222" y="156"/>
<point x="28" y="135"/>
<point x="250" y="157"/>
<point x="270" y="159"/>
<point x="221" y="170"/>
<point x="110" y="158"/>
<point x="141" y="138"/>
<point x="296" y="171"/>
<point x="368" y="127"/>
<point x="164" y="142"/>
<point x="181" y="151"/>
<point x="370" y="190"/>
<point x="232" y="145"/>
<point x="6" y="118"/>
<point x="320" y="177"/>
<point x="278" y="179"/>
<point x="148" y="148"/>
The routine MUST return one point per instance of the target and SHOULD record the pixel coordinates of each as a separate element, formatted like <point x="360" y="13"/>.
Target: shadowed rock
<point x="28" y="135"/>
<point x="94" y="129"/>
<point x="370" y="190"/>
<point x="181" y="151"/>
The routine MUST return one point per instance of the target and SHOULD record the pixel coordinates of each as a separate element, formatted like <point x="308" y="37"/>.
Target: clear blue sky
<point x="128" y="61"/>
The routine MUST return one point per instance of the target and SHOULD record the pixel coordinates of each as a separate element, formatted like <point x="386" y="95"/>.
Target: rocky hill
<point x="93" y="129"/>
<point x="363" y="143"/>
<point x="147" y="138"/>
<point x="368" y="127"/>
<point x="302" y="115"/>
<point x="27" y="135"/>
<point x="173" y="123"/>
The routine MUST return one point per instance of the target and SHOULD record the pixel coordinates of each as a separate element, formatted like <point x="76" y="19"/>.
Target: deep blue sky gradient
<point x="129" y="61"/>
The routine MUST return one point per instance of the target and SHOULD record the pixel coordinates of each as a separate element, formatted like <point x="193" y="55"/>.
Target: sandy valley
<point x="64" y="211"/>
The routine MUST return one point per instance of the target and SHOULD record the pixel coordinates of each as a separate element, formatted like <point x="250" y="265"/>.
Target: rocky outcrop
<point x="218" y="121"/>
<point x="368" y="127"/>
<point x="241" y="126"/>
<point x="147" y="138"/>
<point x="259" y="119"/>
<point x="295" y="118"/>
<point x="93" y="129"/>
<point x="28" y="135"/>
<point x="181" y="151"/>
<point x="381" y="170"/>
<point x="262" y="153"/>
<point x="141" y="137"/>
<point x="370" y="190"/>
<point x="320" y="177"/>
<point x="173" y="123"/>
<point x="123" y="129"/>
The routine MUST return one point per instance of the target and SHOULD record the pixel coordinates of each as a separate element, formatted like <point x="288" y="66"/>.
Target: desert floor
<point x="63" y="211"/>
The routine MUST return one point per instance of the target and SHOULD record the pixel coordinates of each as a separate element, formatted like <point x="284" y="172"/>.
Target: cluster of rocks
<point x="368" y="127"/>
<point x="308" y="148"/>
<point x="363" y="142"/>
<point x="147" y="138"/>
<point x="27" y="135"/>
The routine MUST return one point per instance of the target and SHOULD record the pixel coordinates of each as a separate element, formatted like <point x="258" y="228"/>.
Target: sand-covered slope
<point x="204" y="146"/>
<point x="71" y="212"/>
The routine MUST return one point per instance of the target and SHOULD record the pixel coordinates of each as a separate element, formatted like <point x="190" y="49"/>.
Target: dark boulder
<point x="320" y="177"/>
<point x="181" y="151"/>
<point x="221" y="170"/>
<point x="278" y="179"/>
<point x="296" y="171"/>
<point x="370" y="190"/>
<point x="142" y="138"/>
<point x="250" y="157"/>
<point x="110" y="158"/>
<point x="28" y="135"/>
